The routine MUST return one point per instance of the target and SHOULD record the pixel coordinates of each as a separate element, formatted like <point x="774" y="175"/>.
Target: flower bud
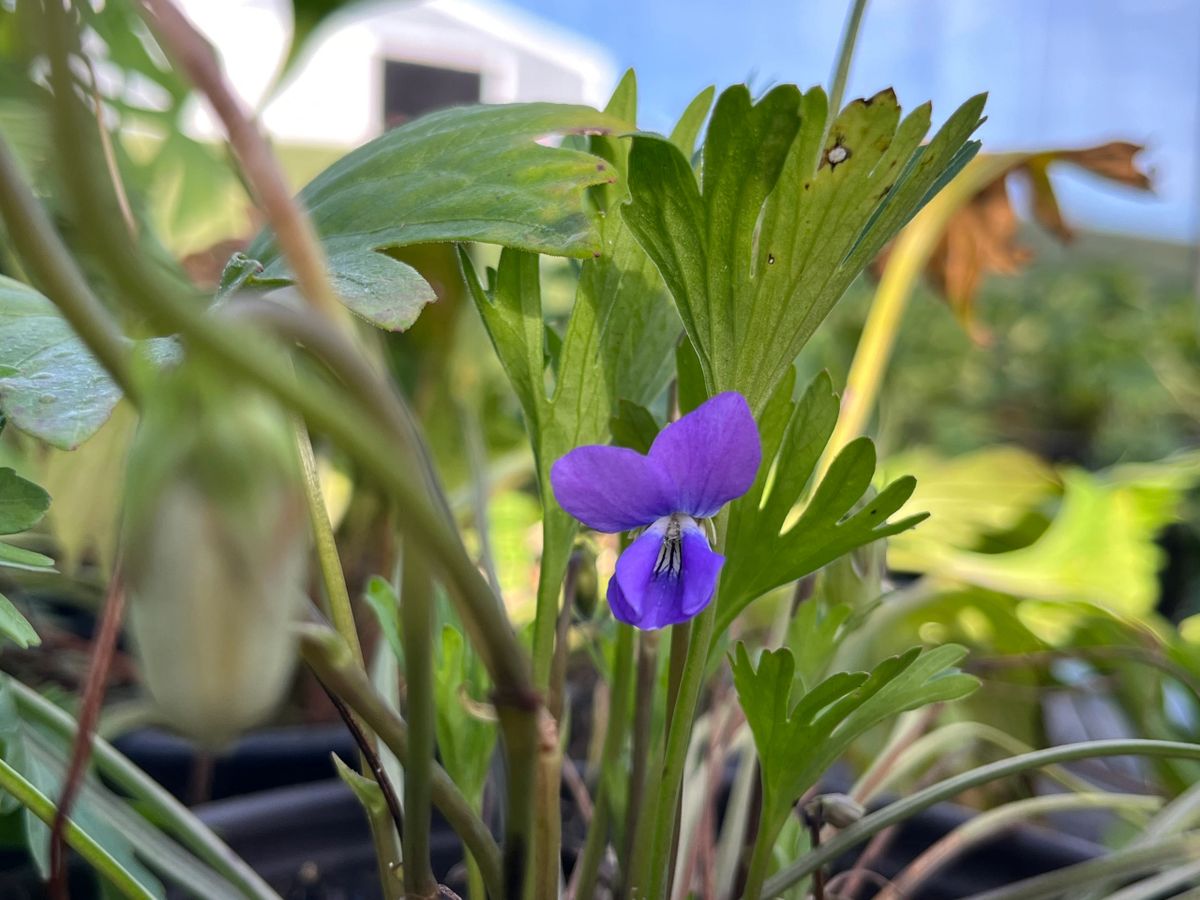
<point x="838" y="810"/>
<point x="215" y="547"/>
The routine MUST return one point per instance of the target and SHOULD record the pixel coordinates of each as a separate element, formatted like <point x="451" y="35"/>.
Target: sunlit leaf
<point x="51" y="387"/>
<point x="465" y="739"/>
<point x="757" y="253"/>
<point x="473" y="173"/>
<point x="765" y="547"/>
<point x="1099" y="547"/>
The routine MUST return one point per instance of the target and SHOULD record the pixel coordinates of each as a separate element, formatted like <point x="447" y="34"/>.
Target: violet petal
<point x="611" y="488"/>
<point x="712" y="454"/>
<point x="648" y="599"/>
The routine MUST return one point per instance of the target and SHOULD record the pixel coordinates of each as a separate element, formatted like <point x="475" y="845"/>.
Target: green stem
<point x="416" y="615"/>
<point x="641" y="798"/>
<point x="678" y="738"/>
<point x="330" y="658"/>
<point x="337" y="595"/>
<point x="55" y="273"/>
<point x="894" y="813"/>
<point x="556" y="555"/>
<point x="172" y="816"/>
<point x="614" y="739"/>
<point x="96" y="856"/>
<point x="764" y="846"/>
<point x="841" y="68"/>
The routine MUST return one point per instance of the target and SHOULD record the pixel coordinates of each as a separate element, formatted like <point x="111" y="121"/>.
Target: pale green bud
<point x="216" y="550"/>
<point x="838" y="810"/>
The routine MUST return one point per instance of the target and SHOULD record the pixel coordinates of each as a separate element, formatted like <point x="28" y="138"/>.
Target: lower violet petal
<point x="651" y="593"/>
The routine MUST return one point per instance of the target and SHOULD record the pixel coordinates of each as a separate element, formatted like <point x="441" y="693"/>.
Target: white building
<point x="382" y="62"/>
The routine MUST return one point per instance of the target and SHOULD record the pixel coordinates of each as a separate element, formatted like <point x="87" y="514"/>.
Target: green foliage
<point x="465" y="739"/>
<point x="764" y="551"/>
<point x="366" y="790"/>
<point x="1090" y="358"/>
<point x="22" y="504"/>
<point x="1098" y="546"/>
<point x="382" y="601"/>
<point x="634" y="427"/>
<point x="465" y="174"/>
<point x="385" y="292"/>
<point x="40" y="756"/>
<point x="758" y="255"/>
<point x="798" y="740"/>
<point x="51" y="387"/>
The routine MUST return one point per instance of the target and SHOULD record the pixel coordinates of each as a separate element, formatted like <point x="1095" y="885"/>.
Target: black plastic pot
<point x="312" y="843"/>
<point x="260" y="761"/>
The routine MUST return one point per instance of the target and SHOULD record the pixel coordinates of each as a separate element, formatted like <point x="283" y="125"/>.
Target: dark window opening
<point x="410" y="90"/>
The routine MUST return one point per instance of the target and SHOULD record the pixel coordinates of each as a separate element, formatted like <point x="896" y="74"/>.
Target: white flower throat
<point x="670" y="554"/>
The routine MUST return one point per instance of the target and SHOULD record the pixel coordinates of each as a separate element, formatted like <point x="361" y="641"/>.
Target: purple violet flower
<point x="695" y="466"/>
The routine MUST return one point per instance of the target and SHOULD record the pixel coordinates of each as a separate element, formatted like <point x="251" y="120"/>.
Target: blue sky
<point x="1059" y="72"/>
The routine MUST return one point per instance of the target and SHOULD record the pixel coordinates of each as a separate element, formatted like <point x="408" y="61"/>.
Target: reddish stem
<point x="89" y="713"/>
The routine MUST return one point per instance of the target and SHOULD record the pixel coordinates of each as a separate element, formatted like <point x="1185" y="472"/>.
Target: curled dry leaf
<point x="980" y="235"/>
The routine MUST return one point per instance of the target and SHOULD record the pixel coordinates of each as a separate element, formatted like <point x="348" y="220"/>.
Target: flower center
<point x="670" y="554"/>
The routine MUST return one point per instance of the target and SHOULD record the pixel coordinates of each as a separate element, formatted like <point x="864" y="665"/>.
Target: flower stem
<point x="641" y="796"/>
<point x="337" y="596"/>
<point x="330" y="658"/>
<point x="675" y="758"/>
<point x="764" y="845"/>
<point x="588" y="867"/>
<point x="678" y="738"/>
<point x="416" y="614"/>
